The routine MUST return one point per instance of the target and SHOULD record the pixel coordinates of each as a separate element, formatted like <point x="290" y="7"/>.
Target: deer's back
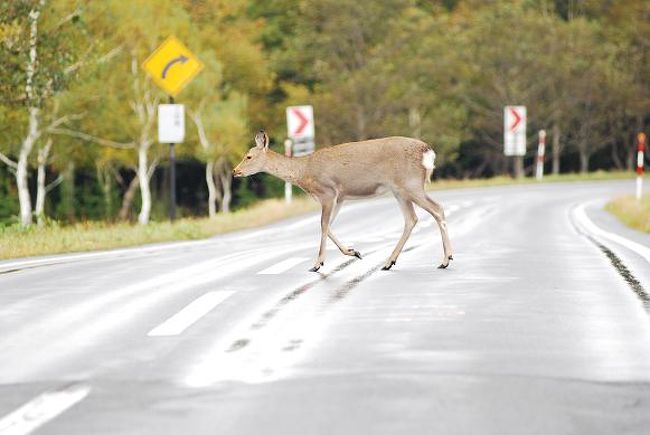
<point x="363" y="168"/>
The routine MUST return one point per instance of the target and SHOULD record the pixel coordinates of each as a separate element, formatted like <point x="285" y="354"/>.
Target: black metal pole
<point x="172" y="177"/>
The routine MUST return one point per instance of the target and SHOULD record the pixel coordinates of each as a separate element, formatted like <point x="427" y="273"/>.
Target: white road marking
<point x="42" y="409"/>
<point x="137" y="251"/>
<point x="265" y="357"/>
<point x="282" y="266"/>
<point x="91" y="320"/>
<point x="580" y="216"/>
<point x="189" y="315"/>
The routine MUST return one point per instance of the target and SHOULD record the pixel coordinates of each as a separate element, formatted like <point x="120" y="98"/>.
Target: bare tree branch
<point x="62" y="120"/>
<point x="111" y="54"/>
<point x="54" y="183"/>
<point x="152" y="168"/>
<point x="203" y="138"/>
<point x="12" y="165"/>
<point x="103" y="59"/>
<point x="68" y="18"/>
<point x="91" y="138"/>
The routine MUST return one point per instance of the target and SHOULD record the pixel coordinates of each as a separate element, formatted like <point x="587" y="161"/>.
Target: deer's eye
<point x="249" y="157"/>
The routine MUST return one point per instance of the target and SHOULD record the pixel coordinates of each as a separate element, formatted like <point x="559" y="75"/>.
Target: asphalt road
<point x="540" y="325"/>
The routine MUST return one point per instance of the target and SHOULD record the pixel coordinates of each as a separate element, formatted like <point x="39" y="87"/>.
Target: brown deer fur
<point x="352" y="170"/>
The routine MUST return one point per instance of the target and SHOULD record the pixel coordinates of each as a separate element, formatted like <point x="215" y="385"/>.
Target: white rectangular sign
<point x="300" y="122"/>
<point x="171" y="123"/>
<point x="302" y="148"/>
<point x="514" y="130"/>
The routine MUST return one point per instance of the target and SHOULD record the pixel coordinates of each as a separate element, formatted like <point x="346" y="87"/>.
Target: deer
<point x="355" y="170"/>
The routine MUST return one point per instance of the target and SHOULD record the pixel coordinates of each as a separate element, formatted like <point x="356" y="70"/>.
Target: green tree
<point x="39" y="51"/>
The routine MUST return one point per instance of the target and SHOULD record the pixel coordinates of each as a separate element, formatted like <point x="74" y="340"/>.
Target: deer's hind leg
<point x="410" y="219"/>
<point x="435" y="209"/>
<point x="344" y="249"/>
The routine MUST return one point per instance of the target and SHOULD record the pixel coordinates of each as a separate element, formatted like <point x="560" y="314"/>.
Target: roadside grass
<point x="630" y="211"/>
<point x="16" y="241"/>
<point x="504" y="180"/>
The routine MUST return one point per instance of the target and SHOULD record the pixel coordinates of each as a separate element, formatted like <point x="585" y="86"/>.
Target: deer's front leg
<point x="327" y="205"/>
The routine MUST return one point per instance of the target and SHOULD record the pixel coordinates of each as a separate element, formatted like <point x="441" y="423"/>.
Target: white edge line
<point x="587" y="224"/>
<point x="282" y="266"/>
<point x="7" y="265"/>
<point x="189" y="315"/>
<point x="42" y="409"/>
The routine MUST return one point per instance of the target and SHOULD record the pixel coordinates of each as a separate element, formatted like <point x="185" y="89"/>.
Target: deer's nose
<point x="236" y="172"/>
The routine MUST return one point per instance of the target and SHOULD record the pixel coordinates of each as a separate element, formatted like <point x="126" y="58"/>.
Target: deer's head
<point x="255" y="158"/>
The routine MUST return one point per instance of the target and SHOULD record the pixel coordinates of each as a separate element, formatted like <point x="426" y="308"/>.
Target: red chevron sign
<point x="300" y="122"/>
<point x="303" y="121"/>
<point x="514" y="130"/>
<point x="516" y="118"/>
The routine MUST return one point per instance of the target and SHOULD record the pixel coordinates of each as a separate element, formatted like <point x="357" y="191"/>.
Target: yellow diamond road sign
<point x="172" y="66"/>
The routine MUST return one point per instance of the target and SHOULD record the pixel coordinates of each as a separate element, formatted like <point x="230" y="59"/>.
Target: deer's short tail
<point x="428" y="161"/>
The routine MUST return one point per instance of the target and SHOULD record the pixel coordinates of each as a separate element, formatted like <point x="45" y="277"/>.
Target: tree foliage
<point x="439" y="70"/>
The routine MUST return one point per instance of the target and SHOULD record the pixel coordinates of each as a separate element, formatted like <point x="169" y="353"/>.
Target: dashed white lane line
<point x="42" y="409"/>
<point x="189" y="315"/>
<point x="282" y="266"/>
<point x="580" y="216"/>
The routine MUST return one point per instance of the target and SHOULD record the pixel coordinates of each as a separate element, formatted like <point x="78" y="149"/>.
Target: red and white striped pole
<point x="639" y="164"/>
<point x="541" y="148"/>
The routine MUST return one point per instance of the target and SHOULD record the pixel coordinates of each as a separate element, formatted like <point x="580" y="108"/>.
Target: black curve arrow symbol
<point x="179" y="59"/>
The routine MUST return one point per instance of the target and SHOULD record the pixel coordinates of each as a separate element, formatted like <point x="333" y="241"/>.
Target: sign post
<point x="171" y="130"/>
<point x="300" y="130"/>
<point x="541" y="148"/>
<point x="640" y="160"/>
<point x="514" y="136"/>
<point x="172" y="66"/>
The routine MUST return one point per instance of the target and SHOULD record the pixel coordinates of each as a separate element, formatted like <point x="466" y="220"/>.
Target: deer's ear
<point x="262" y="139"/>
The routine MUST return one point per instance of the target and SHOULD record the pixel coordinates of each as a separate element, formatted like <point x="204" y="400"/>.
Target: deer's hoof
<point x="357" y="254"/>
<point x="445" y="265"/>
<point x="316" y="267"/>
<point x="388" y="266"/>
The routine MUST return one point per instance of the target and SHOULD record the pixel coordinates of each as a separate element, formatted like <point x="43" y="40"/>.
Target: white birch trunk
<point x="22" y="167"/>
<point x="39" y="205"/>
<point x="212" y="189"/>
<point x="226" y="183"/>
<point x="144" y="106"/>
<point x="23" y="189"/>
<point x="41" y="188"/>
<point x="32" y="129"/>
<point x="127" y="199"/>
<point x="213" y="192"/>
<point x="225" y="178"/>
<point x="145" y="189"/>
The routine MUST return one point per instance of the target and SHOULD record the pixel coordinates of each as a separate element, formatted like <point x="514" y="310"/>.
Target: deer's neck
<point x="287" y="168"/>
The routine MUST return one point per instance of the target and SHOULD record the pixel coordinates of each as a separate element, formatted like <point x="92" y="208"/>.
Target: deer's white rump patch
<point x="428" y="160"/>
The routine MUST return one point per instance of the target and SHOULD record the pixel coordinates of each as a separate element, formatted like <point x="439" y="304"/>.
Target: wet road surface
<point x="534" y="328"/>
